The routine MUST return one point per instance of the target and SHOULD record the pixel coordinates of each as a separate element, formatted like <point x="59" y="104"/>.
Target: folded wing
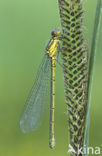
<point x="35" y="105"/>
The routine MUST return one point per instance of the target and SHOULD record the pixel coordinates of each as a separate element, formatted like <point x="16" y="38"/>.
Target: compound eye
<point x="53" y="33"/>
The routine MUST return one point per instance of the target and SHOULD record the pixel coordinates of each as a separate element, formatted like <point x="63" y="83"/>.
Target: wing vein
<point x="35" y="105"/>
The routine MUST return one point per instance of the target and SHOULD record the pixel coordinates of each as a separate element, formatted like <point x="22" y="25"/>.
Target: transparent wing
<point x="36" y="103"/>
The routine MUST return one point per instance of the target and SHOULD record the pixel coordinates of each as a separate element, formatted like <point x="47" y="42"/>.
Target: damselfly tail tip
<point x="52" y="143"/>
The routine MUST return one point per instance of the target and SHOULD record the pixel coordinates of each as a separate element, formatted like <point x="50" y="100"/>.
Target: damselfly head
<point x="55" y="33"/>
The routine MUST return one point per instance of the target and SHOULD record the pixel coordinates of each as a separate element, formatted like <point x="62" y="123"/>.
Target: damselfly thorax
<point x="53" y="45"/>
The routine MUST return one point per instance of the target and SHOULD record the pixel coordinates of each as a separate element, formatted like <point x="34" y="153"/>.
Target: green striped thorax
<point x="52" y="46"/>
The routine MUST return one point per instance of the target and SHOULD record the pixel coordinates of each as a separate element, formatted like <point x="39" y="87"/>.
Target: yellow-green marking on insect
<point x="37" y="99"/>
<point x="51" y="50"/>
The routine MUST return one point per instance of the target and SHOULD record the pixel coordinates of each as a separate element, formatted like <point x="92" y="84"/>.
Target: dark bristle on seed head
<point x="75" y="71"/>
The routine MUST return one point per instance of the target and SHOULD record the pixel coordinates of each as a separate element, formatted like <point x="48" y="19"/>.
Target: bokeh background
<point x="25" y="28"/>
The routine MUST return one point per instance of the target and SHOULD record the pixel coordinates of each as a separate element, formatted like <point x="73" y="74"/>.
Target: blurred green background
<point x="25" y="28"/>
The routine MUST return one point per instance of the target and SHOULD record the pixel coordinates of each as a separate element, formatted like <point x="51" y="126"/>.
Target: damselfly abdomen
<point x="36" y="102"/>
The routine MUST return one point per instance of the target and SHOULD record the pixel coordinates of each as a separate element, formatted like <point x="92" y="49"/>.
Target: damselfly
<point x="35" y="104"/>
